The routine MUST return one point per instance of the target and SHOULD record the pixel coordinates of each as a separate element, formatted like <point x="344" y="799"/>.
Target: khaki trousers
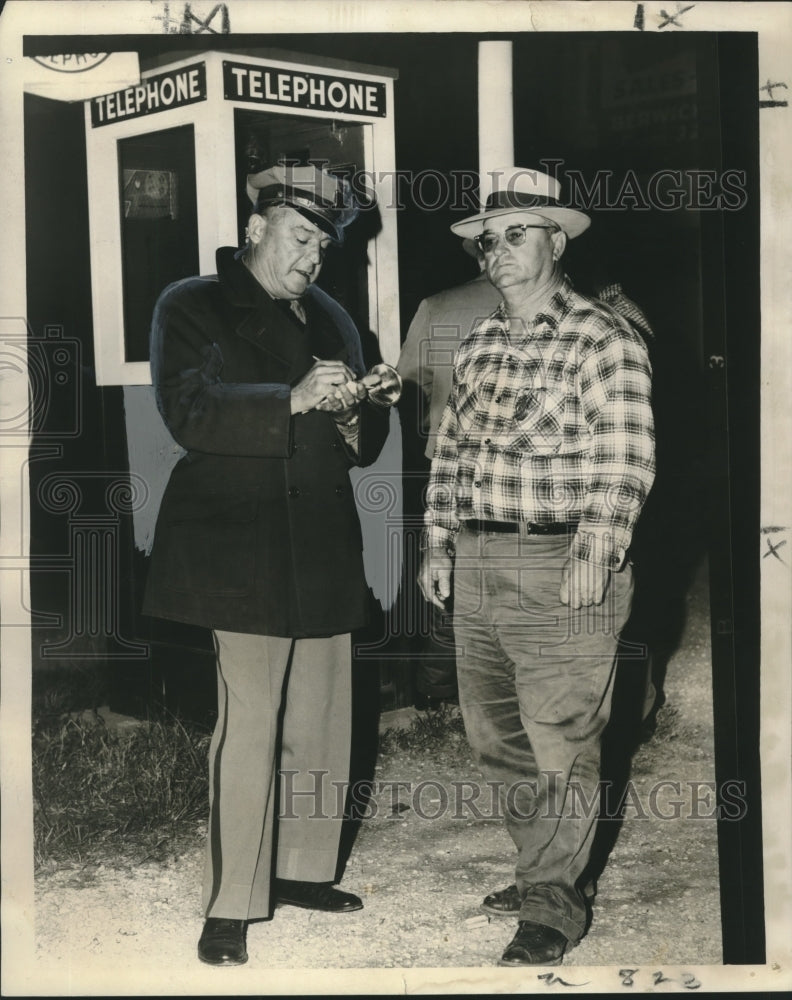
<point x="535" y="686"/>
<point x="284" y="705"/>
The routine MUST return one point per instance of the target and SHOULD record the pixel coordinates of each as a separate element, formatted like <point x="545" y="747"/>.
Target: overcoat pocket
<point x="211" y="547"/>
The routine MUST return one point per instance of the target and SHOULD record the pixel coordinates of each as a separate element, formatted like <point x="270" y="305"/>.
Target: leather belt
<point x="523" y="527"/>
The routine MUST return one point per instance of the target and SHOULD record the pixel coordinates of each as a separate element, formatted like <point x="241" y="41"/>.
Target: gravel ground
<point x="422" y="882"/>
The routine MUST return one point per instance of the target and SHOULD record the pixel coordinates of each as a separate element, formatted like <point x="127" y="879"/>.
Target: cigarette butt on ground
<point x="472" y="923"/>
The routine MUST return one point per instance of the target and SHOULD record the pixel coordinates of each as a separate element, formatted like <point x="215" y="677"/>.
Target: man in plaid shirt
<point x="544" y="458"/>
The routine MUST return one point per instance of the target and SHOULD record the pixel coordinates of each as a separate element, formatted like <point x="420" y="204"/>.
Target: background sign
<point x="299" y="89"/>
<point x="156" y="93"/>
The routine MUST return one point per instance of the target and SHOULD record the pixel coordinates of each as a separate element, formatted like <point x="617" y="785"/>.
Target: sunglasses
<point x="514" y="236"/>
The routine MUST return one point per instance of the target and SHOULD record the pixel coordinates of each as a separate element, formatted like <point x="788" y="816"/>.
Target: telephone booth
<point x="167" y="161"/>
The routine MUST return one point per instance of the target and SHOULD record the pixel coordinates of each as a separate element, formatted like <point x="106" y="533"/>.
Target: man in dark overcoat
<point x="259" y="376"/>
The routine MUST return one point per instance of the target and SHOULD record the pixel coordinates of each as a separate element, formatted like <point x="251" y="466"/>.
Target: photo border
<point x="21" y="974"/>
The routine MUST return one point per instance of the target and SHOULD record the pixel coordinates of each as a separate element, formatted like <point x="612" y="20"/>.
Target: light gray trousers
<point x="535" y="686"/>
<point x="251" y="836"/>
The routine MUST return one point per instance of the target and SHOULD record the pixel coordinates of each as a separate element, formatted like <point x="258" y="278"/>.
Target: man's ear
<point x="559" y="239"/>
<point x="559" y="243"/>
<point x="255" y="228"/>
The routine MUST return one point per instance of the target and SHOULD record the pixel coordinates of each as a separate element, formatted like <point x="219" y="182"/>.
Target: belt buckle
<point x="553" y="528"/>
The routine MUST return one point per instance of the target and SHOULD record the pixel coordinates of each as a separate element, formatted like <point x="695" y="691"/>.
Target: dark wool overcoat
<point x="258" y="529"/>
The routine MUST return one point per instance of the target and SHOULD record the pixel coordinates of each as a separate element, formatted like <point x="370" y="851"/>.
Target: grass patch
<point x="113" y="797"/>
<point x="435" y="731"/>
<point x="122" y="798"/>
<point x="668" y="724"/>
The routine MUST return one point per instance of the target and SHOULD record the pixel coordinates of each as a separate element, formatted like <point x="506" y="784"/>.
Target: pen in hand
<point x="329" y="386"/>
<point x="381" y="384"/>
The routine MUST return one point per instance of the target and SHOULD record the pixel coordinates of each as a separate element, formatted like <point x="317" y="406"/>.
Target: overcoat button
<point x="293" y="491"/>
<point x="339" y="491"/>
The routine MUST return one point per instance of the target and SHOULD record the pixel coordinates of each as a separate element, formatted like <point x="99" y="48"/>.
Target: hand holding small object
<point x="382" y="384"/>
<point x="323" y="387"/>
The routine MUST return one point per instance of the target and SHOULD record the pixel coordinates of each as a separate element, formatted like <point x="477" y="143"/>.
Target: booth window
<point x="159" y="224"/>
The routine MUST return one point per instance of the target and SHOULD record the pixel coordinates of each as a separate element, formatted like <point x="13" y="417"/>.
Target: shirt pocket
<point x="538" y="412"/>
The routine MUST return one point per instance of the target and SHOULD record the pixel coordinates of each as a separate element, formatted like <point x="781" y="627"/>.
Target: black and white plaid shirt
<point x="547" y="423"/>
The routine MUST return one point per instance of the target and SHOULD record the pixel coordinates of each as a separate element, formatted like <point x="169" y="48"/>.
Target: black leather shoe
<point x="223" y="942"/>
<point x="503" y="902"/>
<point x="316" y="896"/>
<point x="535" y="944"/>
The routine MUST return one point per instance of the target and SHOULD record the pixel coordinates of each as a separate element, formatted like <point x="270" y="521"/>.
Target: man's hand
<point x="329" y="386"/>
<point x="583" y="583"/>
<point x="434" y="578"/>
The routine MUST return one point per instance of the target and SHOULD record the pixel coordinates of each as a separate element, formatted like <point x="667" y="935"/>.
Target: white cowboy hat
<point x="519" y="191"/>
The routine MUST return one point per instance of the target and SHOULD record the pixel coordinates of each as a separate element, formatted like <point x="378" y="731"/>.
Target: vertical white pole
<point x="495" y="110"/>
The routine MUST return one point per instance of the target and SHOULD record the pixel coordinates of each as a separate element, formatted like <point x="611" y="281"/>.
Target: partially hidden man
<point x="544" y="458"/>
<point x="425" y="364"/>
<point x="259" y="376"/>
